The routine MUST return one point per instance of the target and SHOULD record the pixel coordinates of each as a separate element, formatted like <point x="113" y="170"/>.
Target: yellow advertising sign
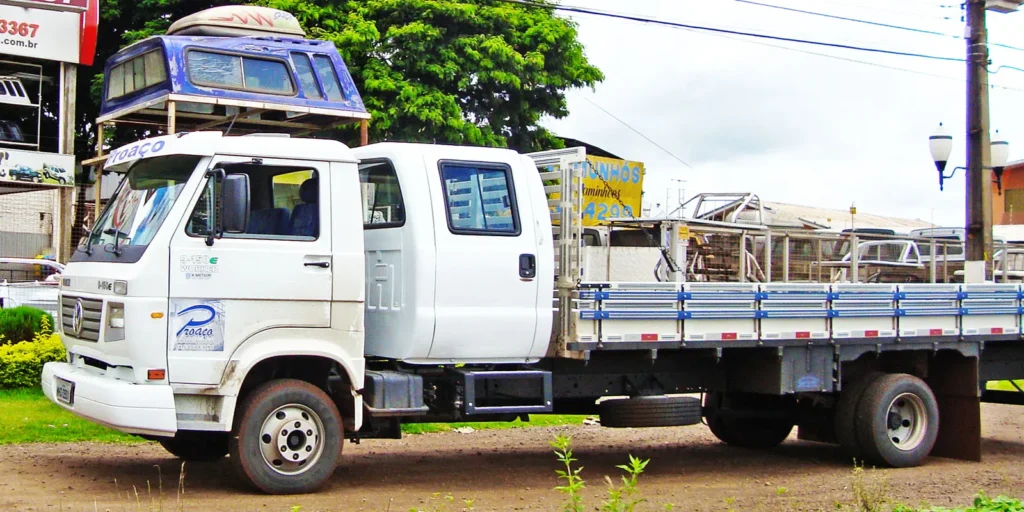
<point x="607" y="182"/>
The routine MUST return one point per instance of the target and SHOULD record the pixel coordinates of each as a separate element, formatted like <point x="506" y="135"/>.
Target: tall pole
<point x="979" y="178"/>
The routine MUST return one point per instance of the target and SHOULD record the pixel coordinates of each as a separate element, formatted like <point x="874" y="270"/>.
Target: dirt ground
<point x="512" y="470"/>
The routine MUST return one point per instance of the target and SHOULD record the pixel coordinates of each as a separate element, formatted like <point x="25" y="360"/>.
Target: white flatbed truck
<point x="268" y="297"/>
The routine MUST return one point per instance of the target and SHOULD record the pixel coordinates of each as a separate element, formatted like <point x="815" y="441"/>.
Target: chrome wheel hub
<point x="291" y="439"/>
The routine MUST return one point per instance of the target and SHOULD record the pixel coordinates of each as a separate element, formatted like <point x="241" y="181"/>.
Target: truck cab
<point x="458" y="251"/>
<point x="237" y="285"/>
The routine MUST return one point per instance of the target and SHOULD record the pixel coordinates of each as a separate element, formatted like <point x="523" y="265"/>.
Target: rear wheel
<point x="846" y="411"/>
<point x="195" y="446"/>
<point x="746" y="432"/>
<point x="288" y="437"/>
<point x="897" y="421"/>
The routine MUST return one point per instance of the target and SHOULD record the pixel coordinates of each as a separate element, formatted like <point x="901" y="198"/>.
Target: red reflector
<point x="997" y="330"/>
<point x="156" y="374"/>
<point x="935" y="332"/>
<point x="648" y="337"/>
<point x="870" y="334"/>
<point x="803" y="335"/>
<point x="728" y="335"/>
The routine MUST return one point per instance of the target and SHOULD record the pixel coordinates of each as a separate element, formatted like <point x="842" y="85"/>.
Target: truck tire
<point x="287" y="437"/>
<point x="846" y="412"/>
<point x="897" y="421"/>
<point x="195" y="446"/>
<point x="752" y="432"/>
<point x="650" y="411"/>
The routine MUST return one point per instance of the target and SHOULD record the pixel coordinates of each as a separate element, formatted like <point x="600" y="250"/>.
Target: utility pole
<point x="979" y="176"/>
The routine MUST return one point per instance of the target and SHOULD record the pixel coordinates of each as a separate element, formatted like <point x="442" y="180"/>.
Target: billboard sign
<point x="612" y="189"/>
<point x="39" y="33"/>
<point x="35" y="167"/>
<point x="54" y="5"/>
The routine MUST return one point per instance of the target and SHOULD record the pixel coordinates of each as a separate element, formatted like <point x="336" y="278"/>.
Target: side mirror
<point x="235" y="203"/>
<point x="230" y="211"/>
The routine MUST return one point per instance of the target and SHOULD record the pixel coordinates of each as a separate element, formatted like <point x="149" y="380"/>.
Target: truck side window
<point x="284" y="204"/>
<point x="382" y="196"/>
<point x="479" y="199"/>
<point x="328" y="78"/>
<point x="310" y="89"/>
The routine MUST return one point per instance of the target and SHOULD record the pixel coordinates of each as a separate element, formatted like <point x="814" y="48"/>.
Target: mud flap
<point x="954" y="380"/>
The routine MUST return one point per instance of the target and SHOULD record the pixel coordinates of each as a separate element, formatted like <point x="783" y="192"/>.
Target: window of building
<point x="229" y="71"/>
<point x="480" y="199"/>
<point x="382" y="196"/>
<point x="136" y="74"/>
<point x="1013" y="200"/>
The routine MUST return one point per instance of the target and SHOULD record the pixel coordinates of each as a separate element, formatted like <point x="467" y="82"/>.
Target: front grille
<point x="92" y="316"/>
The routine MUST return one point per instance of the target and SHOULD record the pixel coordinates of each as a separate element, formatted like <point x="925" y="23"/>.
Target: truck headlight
<point x="121" y="287"/>
<point x="115" y="322"/>
<point x="115" y="316"/>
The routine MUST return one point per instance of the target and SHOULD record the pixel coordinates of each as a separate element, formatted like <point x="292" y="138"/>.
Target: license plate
<point x="65" y="391"/>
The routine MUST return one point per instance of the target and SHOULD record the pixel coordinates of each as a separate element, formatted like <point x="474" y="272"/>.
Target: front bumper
<point x="121" y="405"/>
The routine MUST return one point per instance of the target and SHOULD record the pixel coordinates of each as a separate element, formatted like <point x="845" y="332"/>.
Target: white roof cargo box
<point x="238" y="21"/>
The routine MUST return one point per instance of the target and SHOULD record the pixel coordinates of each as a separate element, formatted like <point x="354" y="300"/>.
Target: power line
<point x="868" y="22"/>
<point x="867" y="63"/>
<point x="843" y="18"/>
<point x="640" y="19"/>
<point x="1000" y="68"/>
<point x="634" y="130"/>
<point x="884" y="9"/>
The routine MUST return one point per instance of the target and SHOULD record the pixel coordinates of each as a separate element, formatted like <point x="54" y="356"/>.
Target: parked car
<point x="58" y="174"/>
<point x="25" y="173"/>
<point x="30" y="282"/>
<point x="12" y="92"/>
<point x="11" y="132"/>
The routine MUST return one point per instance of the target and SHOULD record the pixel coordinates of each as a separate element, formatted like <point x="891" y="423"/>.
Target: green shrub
<point x="21" y="364"/>
<point x="22" y="324"/>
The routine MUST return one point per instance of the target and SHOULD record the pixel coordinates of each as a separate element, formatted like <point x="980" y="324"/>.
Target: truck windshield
<point x="137" y="209"/>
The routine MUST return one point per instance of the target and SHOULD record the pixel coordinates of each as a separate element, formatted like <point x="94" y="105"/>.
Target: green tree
<point x="479" y="72"/>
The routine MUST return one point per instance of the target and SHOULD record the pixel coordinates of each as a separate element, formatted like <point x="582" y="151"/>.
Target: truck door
<point x="276" y="274"/>
<point x="486" y="281"/>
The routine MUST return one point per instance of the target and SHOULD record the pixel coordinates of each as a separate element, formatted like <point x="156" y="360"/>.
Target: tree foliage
<point x="478" y="72"/>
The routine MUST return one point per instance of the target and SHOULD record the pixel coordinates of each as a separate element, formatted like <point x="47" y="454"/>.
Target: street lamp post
<point x="979" y="190"/>
<point x="941" y="145"/>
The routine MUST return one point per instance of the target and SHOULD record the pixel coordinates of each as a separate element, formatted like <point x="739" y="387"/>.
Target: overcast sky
<point x="790" y="126"/>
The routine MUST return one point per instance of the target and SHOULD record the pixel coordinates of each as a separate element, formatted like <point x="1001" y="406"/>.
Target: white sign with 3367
<point x="39" y="33"/>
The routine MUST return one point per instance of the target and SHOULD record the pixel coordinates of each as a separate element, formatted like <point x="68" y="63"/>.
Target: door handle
<point x="321" y="264"/>
<point x="527" y="266"/>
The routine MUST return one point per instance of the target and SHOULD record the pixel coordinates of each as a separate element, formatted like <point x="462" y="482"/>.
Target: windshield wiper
<point x="117" y="234"/>
<point x="88" y="244"/>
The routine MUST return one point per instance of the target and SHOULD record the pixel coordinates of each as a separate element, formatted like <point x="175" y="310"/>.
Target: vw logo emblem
<point x="76" y="318"/>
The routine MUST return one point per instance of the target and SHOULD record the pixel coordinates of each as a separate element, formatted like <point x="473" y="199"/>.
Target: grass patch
<point x="27" y="416"/>
<point x="536" y="420"/>
<point x="1003" y="385"/>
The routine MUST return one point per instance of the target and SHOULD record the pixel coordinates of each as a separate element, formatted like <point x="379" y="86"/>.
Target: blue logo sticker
<point x="808" y="383"/>
<point x="199" y="326"/>
<point x="203" y="316"/>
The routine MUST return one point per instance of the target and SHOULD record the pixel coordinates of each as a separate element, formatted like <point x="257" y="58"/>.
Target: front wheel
<point x="288" y="437"/>
<point x="197" y="446"/>
<point x="897" y="421"/>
